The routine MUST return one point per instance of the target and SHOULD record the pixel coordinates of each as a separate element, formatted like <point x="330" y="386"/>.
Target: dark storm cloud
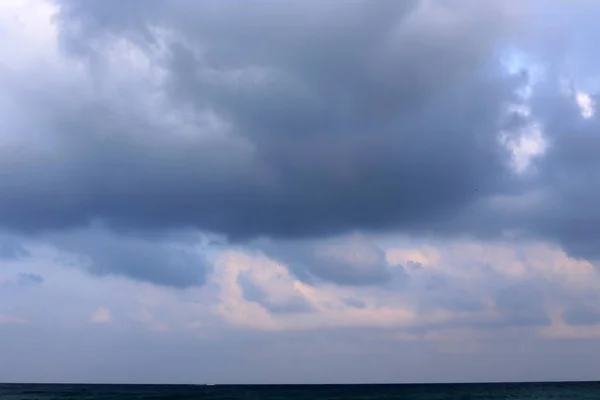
<point x="556" y="200"/>
<point x="300" y="120"/>
<point x="340" y="116"/>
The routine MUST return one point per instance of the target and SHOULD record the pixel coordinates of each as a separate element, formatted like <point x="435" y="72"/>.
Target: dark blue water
<point x="513" y="391"/>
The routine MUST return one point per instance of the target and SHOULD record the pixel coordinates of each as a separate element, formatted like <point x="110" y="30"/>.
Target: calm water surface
<point x="562" y="391"/>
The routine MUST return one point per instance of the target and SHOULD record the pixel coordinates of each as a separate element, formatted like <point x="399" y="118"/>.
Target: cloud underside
<point x="296" y="121"/>
<point x="454" y="292"/>
<point x="290" y="128"/>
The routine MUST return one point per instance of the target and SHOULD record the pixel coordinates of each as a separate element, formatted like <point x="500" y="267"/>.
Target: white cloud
<point x="586" y="104"/>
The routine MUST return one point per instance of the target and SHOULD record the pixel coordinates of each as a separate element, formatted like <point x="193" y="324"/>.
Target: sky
<point x="339" y="191"/>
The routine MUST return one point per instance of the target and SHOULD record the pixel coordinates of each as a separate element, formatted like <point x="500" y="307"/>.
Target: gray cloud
<point x="522" y="304"/>
<point x="172" y="260"/>
<point x="254" y="293"/>
<point x="349" y="260"/>
<point x="437" y="290"/>
<point x="503" y="300"/>
<point x="582" y="310"/>
<point x="570" y="172"/>
<point x="28" y="278"/>
<point x="582" y="315"/>
<point x="308" y="119"/>
<point x="11" y="248"/>
<point x="21" y="279"/>
<point x="286" y="126"/>
<point x="297" y="122"/>
<point x="559" y="203"/>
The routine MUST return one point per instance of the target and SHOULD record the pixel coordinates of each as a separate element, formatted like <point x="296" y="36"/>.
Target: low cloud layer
<point x="493" y="305"/>
<point x="456" y="288"/>
<point x="349" y="260"/>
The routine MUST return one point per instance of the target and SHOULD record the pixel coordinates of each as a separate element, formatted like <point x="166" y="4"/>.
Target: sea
<point x="490" y="391"/>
